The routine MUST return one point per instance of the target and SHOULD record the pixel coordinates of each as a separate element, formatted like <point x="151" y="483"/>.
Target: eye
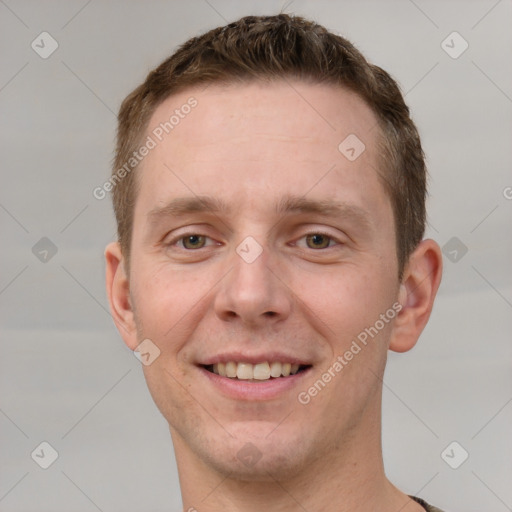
<point x="317" y="241"/>
<point x="192" y="241"/>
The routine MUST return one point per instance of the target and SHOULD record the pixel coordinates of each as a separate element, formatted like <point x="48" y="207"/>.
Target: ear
<point x="118" y="292"/>
<point x="418" y="290"/>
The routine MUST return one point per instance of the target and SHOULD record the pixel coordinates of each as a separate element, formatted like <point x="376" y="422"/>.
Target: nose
<point x="253" y="294"/>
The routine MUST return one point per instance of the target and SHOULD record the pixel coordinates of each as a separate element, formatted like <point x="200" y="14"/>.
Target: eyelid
<point x="322" y="232"/>
<point x="180" y="236"/>
<point x="200" y="232"/>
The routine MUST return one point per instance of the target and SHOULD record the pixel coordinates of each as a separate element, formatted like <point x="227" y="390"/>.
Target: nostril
<point x="270" y="313"/>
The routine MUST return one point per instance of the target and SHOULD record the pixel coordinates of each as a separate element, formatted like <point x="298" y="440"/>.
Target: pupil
<point x="318" y="241"/>
<point x="193" y="241"/>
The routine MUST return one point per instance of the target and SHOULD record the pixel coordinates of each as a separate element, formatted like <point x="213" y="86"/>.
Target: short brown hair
<point x="280" y="47"/>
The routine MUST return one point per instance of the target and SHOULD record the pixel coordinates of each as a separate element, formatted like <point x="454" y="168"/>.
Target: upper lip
<point x="243" y="357"/>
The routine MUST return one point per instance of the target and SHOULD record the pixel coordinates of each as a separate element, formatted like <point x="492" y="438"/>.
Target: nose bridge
<point x="251" y="292"/>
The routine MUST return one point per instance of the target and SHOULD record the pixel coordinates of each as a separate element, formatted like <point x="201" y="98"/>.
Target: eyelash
<point x="322" y="233"/>
<point x="181" y="238"/>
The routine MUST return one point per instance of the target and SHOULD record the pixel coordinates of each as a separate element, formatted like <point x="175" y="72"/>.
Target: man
<point x="269" y="189"/>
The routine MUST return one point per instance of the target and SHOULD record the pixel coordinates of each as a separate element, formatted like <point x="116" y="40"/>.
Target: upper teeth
<point x="260" y="371"/>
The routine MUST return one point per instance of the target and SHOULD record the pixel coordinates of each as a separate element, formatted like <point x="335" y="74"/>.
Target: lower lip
<point x="250" y="390"/>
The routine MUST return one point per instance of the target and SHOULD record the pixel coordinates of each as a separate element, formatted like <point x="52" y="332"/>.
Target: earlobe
<point x="416" y="295"/>
<point x="118" y="292"/>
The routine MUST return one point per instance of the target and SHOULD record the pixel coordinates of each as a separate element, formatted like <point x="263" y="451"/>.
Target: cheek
<point x="345" y="299"/>
<point x="169" y="303"/>
<point x="344" y="306"/>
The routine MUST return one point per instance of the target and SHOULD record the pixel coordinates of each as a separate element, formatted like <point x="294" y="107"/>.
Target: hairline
<point x="384" y="169"/>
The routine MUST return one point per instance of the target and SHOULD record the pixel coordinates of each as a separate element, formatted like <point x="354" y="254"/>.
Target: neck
<point x="348" y="477"/>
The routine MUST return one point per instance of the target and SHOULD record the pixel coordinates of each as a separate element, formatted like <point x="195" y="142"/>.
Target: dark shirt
<point x="425" y="505"/>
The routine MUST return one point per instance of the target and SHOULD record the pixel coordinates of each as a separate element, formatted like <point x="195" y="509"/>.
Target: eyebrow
<point x="185" y="205"/>
<point x="324" y="208"/>
<point x="182" y="206"/>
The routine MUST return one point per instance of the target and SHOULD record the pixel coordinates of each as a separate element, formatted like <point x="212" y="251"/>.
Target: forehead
<point x="242" y="142"/>
<point x="287" y="110"/>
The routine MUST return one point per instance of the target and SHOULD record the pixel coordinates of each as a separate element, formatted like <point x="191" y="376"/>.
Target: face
<point x="259" y="248"/>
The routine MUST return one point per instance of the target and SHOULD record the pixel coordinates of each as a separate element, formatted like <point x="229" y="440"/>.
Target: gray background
<point x="67" y="378"/>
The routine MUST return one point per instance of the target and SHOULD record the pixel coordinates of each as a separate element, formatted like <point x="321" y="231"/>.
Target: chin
<point x="271" y="466"/>
<point x="258" y="453"/>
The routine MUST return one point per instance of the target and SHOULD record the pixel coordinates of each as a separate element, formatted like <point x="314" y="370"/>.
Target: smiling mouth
<point x="255" y="372"/>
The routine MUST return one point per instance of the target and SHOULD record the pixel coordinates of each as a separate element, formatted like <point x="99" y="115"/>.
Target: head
<point x="247" y="231"/>
<point x="266" y="49"/>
